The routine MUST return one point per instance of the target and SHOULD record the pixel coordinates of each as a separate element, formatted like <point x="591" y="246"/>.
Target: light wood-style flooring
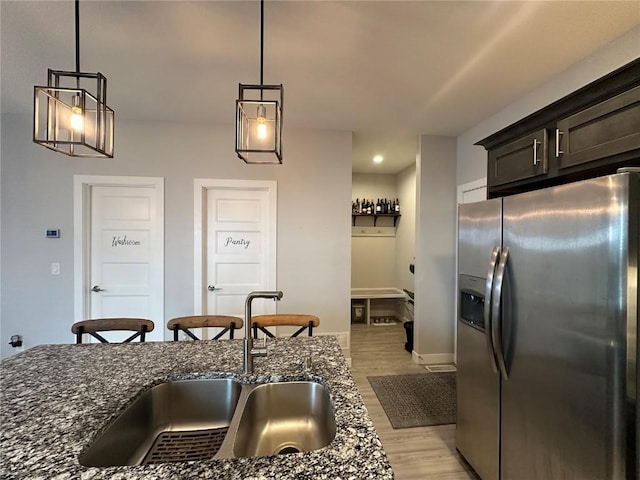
<point x="421" y="453"/>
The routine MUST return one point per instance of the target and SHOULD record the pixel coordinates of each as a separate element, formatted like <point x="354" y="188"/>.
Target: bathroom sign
<point x="124" y="241"/>
<point x="121" y="246"/>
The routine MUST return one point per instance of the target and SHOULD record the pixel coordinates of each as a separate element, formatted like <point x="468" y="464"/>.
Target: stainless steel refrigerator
<point x="547" y="333"/>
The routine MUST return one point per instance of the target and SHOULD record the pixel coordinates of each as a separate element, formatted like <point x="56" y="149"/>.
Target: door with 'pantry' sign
<point x="240" y="246"/>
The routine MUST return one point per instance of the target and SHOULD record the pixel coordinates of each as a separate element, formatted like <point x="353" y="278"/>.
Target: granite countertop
<point x="57" y="398"/>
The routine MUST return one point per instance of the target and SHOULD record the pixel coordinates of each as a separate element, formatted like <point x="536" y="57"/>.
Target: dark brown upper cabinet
<point x="607" y="129"/>
<point x="524" y="158"/>
<point x="590" y="132"/>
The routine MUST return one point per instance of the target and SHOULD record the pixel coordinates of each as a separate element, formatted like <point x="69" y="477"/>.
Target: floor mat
<point x="417" y="400"/>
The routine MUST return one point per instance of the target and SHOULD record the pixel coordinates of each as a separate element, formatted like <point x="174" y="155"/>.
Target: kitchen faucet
<point x="249" y="351"/>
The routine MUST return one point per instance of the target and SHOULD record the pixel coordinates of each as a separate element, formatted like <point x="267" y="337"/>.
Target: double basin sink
<point x="203" y="419"/>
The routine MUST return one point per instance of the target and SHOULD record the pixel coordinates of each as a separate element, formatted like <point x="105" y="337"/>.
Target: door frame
<point x="82" y="185"/>
<point x="200" y="189"/>
<point x="462" y="189"/>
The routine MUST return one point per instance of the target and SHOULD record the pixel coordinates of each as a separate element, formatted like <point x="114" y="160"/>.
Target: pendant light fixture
<point x="70" y="114"/>
<point x="259" y="117"/>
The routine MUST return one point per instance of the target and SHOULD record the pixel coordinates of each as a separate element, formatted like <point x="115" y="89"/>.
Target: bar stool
<point x="304" y="321"/>
<point x="140" y="326"/>
<point x="227" y="322"/>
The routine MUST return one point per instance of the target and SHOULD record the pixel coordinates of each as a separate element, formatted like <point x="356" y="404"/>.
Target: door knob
<point x="211" y="288"/>
<point x="96" y="288"/>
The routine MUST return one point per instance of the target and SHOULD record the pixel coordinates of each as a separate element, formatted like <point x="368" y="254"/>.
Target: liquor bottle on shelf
<point x="382" y="206"/>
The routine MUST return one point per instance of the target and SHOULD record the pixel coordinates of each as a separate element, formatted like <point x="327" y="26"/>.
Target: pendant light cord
<point x="261" y="46"/>
<point x="78" y="41"/>
<point x="261" y="39"/>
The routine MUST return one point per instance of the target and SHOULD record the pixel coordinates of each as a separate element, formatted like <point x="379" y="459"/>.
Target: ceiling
<point x="386" y="70"/>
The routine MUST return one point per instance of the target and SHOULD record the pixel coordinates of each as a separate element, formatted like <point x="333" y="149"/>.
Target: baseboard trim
<point x="432" y="358"/>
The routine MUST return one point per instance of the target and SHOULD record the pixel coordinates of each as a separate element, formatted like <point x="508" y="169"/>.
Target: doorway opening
<point x="382" y="255"/>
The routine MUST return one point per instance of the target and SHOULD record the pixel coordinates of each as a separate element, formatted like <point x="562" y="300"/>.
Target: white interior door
<point x="238" y="246"/>
<point x="125" y="254"/>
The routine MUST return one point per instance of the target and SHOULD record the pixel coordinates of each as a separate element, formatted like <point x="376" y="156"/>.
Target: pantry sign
<point x="237" y="242"/>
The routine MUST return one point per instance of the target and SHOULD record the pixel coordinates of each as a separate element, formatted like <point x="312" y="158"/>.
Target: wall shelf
<point x="375" y="216"/>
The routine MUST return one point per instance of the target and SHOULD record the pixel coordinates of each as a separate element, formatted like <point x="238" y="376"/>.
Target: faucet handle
<point x="259" y="347"/>
<point x="307" y="363"/>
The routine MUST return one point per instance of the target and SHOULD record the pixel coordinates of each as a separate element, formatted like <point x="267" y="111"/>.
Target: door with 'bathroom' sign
<point x="126" y="277"/>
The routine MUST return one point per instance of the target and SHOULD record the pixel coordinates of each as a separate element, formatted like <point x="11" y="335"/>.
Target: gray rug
<point x="417" y="400"/>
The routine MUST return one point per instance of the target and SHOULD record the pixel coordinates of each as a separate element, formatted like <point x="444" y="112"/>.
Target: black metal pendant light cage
<point x="259" y="117"/>
<point x="70" y="114"/>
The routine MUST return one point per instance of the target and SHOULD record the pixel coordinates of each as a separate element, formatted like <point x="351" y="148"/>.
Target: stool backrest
<point x="93" y="327"/>
<point x="304" y="321"/>
<point x="226" y="322"/>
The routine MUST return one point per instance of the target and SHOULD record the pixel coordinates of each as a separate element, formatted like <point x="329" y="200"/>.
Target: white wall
<point x="406" y="232"/>
<point x="472" y="160"/>
<point x="314" y="191"/>
<point x="373" y="259"/>
<point x="373" y="186"/>
<point x="435" y="249"/>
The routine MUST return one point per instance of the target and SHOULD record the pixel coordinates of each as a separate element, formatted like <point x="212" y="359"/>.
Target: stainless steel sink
<point x="216" y="418"/>
<point x="285" y="418"/>
<point x="173" y="421"/>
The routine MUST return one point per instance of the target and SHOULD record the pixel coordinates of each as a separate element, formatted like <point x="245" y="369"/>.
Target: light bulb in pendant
<point x="77" y="119"/>
<point x="262" y="122"/>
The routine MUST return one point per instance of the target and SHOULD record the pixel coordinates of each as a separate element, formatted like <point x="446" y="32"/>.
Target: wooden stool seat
<point x="138" y="325"/>
<point x="227" y="322"/>
<point x="303" y="321"/>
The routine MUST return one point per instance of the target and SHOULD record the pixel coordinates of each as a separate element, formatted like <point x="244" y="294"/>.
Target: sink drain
<point x="288" y="449"/>
<point x="182" y="446"/>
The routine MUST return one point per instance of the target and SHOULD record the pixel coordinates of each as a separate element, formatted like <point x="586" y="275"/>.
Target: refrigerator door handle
<point x="495" y="254"/>
<point x="496" y="318"/>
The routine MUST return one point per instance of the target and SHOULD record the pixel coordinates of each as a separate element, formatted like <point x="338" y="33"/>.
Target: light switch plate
<point x="55" y="269"/>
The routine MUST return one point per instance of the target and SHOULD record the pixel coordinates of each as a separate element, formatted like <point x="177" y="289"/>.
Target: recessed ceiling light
<point x="378" y="159"/>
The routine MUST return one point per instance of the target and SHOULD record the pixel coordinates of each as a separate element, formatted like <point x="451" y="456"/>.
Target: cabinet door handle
<point x="536" y="160"/>
<point x="559" y="134"/>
